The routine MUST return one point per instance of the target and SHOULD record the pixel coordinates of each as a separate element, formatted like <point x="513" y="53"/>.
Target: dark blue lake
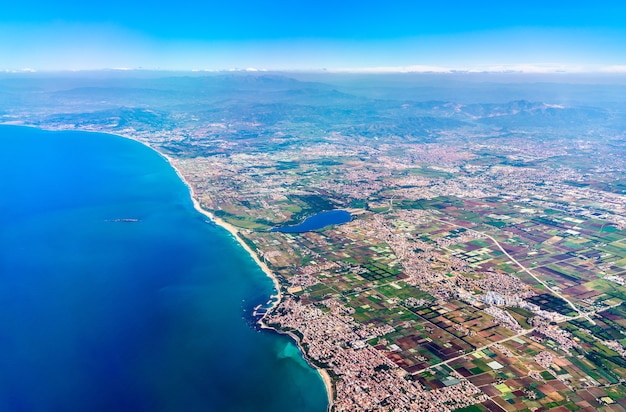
<point x="116" y="295"/>
<point x="318" y="221"/>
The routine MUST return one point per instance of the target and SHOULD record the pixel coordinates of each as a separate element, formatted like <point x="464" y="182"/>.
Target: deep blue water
<point x="105" y="315"/>
<point x="318" y="221"/>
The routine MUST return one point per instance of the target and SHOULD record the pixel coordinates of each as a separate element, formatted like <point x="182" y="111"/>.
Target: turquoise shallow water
<point x="102" y="314"/>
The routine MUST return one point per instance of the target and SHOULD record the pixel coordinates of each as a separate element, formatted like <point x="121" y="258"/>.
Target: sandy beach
<point x="278" y="296"/>
<point x="230" y="228"/>
<point x="235" y="232"/>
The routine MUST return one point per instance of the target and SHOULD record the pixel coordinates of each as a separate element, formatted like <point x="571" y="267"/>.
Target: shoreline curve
<point x="276" y="298"/>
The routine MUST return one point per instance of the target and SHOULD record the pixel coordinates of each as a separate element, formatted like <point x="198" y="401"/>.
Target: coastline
<point x="328" y="383"/>
<point x="220" y="222"/>
<point x="276" y="298"/>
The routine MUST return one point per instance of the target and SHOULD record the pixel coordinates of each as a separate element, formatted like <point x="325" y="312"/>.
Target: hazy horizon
<point x="357" y="37"/>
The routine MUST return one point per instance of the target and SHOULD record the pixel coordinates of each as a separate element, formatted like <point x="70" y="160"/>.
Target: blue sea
<point x="116" y="295"/>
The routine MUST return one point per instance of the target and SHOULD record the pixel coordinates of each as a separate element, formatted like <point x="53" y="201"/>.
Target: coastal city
<point x="483" y="267"/>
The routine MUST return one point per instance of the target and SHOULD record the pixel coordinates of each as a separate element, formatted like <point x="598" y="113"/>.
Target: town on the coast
<point x="484" y="265"/>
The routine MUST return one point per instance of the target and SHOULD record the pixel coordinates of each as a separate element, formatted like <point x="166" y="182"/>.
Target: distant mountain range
<point x="391" y="106"/>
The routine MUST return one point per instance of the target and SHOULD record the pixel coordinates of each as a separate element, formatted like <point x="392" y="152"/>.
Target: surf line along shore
<point x="277" y="298"/>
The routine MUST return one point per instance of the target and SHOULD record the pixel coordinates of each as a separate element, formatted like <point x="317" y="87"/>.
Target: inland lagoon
<point x="317" y="221"/>
<point x="116" y="295"/>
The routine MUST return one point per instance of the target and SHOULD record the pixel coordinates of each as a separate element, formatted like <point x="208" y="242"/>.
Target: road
<point x="524" y="269"/>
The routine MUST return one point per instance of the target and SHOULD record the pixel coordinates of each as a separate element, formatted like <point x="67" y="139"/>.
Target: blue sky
<point x="342" y="34"/>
